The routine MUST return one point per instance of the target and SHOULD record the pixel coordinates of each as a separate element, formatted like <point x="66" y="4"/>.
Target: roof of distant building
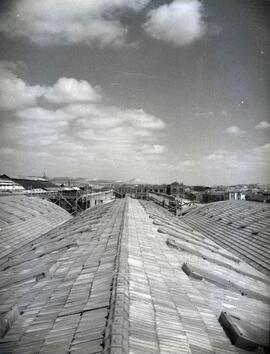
<point x="33" y="183"/>
<point x="7" y="185"/>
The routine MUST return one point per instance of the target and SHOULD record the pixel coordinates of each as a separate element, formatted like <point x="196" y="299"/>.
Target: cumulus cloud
<point x="239" y="166"/>
<point x="231" y="163"/>
<point x="235" y="131"/>
<point x="100" y="116"/>
<point x="95" y="124"/>
<point x="179" y="23"/>
<point x="264" y="149"/>
<point x="127" y="132"/>
<point x="67" y="21"/>
<point x="263" y="125"/>
<point x="226" y="160"/>
<point x="71" y="120"/>
<point x="217" y="155"/>
<point x="14" y="92"/>
<point x="39" y="114"/>
<point x="67" y="90"/>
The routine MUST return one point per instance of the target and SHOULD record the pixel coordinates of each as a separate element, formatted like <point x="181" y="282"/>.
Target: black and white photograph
<point x="134" y="176"/>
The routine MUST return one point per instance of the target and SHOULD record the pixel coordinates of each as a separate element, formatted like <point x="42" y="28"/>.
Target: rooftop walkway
<point x="127" y="278"/>
<point x="241" y="227"/>
<point x="24" y="218"/>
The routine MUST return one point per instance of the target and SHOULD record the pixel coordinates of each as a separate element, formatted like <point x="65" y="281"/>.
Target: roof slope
<point x="23" y="219"/>
<point x="114" y="279"/>
<point x="55" y="291"/>
<point x="239" y="226"/>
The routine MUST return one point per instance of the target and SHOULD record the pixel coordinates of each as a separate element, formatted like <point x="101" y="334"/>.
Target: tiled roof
<point x="55" y="291"/>
<point x="23" y="219"/>
<point x="241" y="227"/>
<point x="126" y="277"/>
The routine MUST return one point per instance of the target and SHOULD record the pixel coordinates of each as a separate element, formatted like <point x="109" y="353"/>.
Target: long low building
<point x="128" y="277"/>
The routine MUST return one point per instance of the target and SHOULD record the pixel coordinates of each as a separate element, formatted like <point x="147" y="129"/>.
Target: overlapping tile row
<point x="117" y="329"/>
<point x="239" y="226"/>
<point x="24" y="218"/>
<point x="61" y="286"/>
<point x="199" y="302"/>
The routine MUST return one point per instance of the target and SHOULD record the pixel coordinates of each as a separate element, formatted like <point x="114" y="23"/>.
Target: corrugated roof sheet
<point x="23" y="218"/>
<point x="123" y="278"/>
<point x="240" y="226"/>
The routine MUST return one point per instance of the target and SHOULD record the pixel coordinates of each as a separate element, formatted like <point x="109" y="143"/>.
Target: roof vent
<point x="222" y="281"/>
<point x="7" y="319"/>
<point x="242" y="334"/>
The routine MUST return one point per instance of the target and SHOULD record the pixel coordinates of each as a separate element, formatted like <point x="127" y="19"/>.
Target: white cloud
<point x="235" y="131"/>
<point x="71" y="121"/>
<point x="38" y="114"/>
<point x="14" y="92"/>
<point x="100" y="116"/>
<point x="67" y="21"/>
<point x="138" y="118"/>
<point x="248" y="166"/>
<point x="188" y="163"/>
<point x="105" y="132"/>
<point x="263" y="125"/>
<point x="231" y="163"/>
<point x="67" y="90"/>
<point x="217" y="155"/>
<point x="127" y="132"/>
<point x="264" y="149"/>
<point x="179" y="23"/>
<point x="151" y="149"/>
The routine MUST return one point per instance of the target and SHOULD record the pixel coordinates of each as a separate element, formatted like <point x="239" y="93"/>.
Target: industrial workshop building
<point x="141" y="191"/>
<point x="129" y="277"/>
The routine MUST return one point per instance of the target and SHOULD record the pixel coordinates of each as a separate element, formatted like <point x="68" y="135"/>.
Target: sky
<point x="121" y="89"/>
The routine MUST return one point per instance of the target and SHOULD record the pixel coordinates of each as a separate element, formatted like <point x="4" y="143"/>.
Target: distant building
<point x="263" y="197"/>
<point x="200" y="188"/>
<point x="237" y="195"/>
<point x="140" y="191"/>
<point x="176" y="189"/>
<point x="7" y="185"/>
<point x="33" y="182"/>
<point x="213" y="195"/>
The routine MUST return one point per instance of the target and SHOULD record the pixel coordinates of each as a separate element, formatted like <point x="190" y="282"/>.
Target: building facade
<point x="141" y="191"/>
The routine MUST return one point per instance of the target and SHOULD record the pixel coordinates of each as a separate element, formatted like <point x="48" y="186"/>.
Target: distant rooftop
<point x="34" y="183"/>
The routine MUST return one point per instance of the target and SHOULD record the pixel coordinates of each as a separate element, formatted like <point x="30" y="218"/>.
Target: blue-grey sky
<point x="153" y="90"/>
